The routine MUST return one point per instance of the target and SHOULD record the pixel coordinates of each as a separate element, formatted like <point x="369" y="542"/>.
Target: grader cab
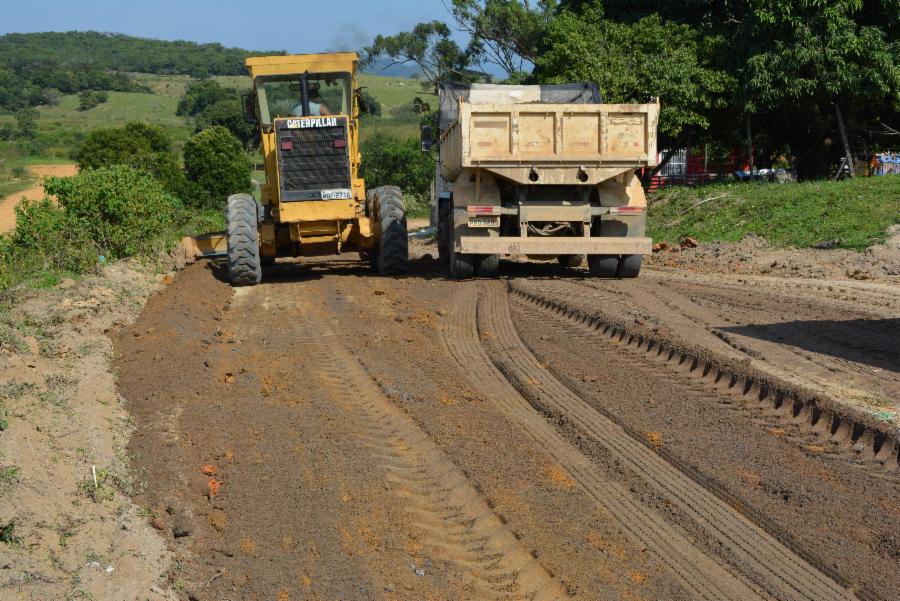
<point x="313" y="202"/>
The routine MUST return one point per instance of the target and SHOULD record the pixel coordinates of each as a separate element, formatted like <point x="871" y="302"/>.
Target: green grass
<point x="856" y="212"/>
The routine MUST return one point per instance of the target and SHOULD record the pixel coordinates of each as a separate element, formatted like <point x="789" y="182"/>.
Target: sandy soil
<point x="8" y="204"/>
<point x="67" y="536"/>
<point x="753" y="255"/>
<point x="335" y="434"/>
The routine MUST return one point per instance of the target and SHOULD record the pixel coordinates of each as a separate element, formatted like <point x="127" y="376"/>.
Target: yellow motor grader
<point x="313" y="202"/>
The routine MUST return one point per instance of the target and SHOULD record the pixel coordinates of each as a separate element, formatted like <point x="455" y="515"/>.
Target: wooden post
<point x="848" y="157"/>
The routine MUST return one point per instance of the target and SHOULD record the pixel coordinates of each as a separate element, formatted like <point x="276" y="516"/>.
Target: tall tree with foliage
<point x="430" y="47"/>
<point x="633" y="61"/>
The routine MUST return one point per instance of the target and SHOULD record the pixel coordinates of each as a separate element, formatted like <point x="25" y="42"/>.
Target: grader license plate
<point x="484" y="221"/>
<point x="335" y="194"/>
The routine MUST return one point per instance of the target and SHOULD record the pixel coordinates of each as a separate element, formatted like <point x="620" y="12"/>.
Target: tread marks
<point x="765" y="560"/>
<point x="455" y="519"/>
<point x="700" y="575"/>
<point x="882" y="450"/>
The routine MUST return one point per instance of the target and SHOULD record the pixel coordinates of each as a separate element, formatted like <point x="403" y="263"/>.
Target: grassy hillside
<point x="63" y="124"/>
<point x="856" y="212"/>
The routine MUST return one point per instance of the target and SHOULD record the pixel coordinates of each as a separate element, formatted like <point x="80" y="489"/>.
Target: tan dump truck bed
<point x="550" y="141"/>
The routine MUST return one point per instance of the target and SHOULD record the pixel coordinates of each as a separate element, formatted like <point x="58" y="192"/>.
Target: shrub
<point x="200" y="94"/>
<point x="138" y="145"/>
<point x="229" y="113"/>
<point x="216" y="165"/>
<point x="45" y="239"/>
<point x="123" y="211"/>
<point x="88" y="99"/>
<point x="387" y="160"/>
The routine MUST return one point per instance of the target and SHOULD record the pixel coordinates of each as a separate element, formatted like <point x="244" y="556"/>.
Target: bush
<point x="44" y="239"/>
<point x="88" y="99"/>
<point x="123" y="211"/>
<point x="216" y="166"/>
<point x="387" y="160"/>
<point x="229" y="113"/>
<point x="138" y="145"/>
<point x="201" y="94"/>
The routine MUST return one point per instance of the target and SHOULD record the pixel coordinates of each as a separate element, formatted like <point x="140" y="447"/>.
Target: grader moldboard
<point x="542" y="171"/>
<point x="313" y="202"/>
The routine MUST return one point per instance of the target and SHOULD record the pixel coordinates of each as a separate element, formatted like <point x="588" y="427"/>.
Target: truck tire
<point x="630" y="266"/>
<point x="393" y="245"/>
<point x="443" y="233"/>
<point x="488" y="266"/>
<point x="242" y="236"/>
<point x="603" y="266"/>
<point x="571" y="261"/>
<point x="459" y="266"/>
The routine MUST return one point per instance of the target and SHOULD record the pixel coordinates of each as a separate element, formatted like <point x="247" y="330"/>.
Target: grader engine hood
<point x="313" y="158"/>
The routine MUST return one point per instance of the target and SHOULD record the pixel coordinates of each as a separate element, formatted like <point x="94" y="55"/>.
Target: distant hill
<point x="385" y="67"/>
<point x="119" y="52"/>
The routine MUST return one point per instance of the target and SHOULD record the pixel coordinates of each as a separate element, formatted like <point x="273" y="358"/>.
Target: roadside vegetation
<point x="852" y="214"/>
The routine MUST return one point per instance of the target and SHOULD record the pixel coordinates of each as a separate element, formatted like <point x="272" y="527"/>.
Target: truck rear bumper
<point x="508" y="245"/>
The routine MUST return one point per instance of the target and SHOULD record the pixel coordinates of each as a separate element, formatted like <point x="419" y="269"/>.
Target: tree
<point x="201" y="94"/>
<point x="216" y="165"/>
<point x="229" y="113"/>
<point x="430" y="46"/>
<point x="138" y="145"/>
<point x="27" y="119"/>
<point x="89" y="99"/>
<point x="387" y="160"/>
<point x="633" y="61"/>
<point x="506" y="33"/>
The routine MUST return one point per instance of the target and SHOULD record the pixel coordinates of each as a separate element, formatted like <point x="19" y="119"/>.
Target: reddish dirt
<point x="8" y="204"/>
<point x="334" y="434"/>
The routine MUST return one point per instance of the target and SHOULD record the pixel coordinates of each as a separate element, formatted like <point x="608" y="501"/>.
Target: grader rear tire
<point x="242" y="236"/>
<point x="392" y="255"/>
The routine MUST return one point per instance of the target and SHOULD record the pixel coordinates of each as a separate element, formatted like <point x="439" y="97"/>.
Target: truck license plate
<point x="336" y="194"/>
<point x="484" y="220"/>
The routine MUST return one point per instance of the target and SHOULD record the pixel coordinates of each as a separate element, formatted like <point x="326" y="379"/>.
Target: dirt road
<point x="331" y="434"/>
<point x="8" y="204"/>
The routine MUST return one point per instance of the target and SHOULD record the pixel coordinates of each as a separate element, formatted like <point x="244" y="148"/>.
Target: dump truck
<point x="542" y="171"/>
<point x="313" y="201"/>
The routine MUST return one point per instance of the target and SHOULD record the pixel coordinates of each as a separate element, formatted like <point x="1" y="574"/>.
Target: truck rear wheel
<point x="630" y="266"/>
<point x="603" y="266"/>
<point x="393" y="246"/>
<point x="488" y="266"/>
<point x="615" y="266"/>
<point x="242" y="236"/>
<point x="459" y="265"/>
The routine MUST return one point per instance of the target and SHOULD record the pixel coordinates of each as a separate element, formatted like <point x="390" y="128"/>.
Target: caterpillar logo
<point x="312" y="122"/>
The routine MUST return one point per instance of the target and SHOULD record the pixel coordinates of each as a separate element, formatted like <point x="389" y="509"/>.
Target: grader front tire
<point x="392" y="255"/>
<point x="242" y="235"/>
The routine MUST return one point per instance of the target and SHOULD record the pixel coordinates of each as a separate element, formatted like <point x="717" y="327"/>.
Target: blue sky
<point x="296" y="26"/>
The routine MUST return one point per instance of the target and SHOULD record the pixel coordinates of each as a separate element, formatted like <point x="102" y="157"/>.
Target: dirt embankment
<point x="753" y="255"/>
<point x="69" y="529"/>
<point x="8" y="204"/>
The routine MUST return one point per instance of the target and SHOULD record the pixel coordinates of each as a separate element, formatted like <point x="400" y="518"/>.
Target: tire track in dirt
<point x="698" y="573"/>
<point x="843" y="428"/>
<point x="453" y="518"/>
<point x="759" y="555"/>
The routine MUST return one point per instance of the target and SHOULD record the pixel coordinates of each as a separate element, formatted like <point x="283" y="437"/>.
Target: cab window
<point x="282" y="96"/>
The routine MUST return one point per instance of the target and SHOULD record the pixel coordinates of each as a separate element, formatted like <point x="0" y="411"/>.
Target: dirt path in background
<point x="8" y="204"/>
<point x="335" y="434"/>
